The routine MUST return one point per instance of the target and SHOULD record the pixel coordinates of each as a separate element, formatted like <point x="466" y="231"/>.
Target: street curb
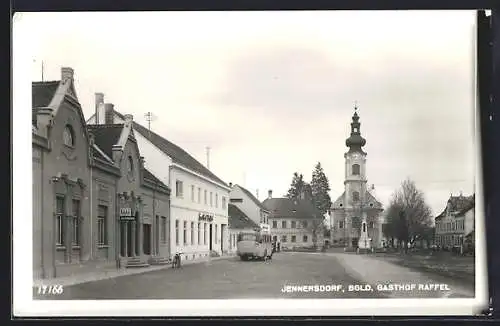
<point x="119" y="273"/>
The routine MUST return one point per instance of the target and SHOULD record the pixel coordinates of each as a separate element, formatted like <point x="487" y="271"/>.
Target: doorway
<point x="355" y="242"/>
<point x="222" y="228"/>
<point x="147" y="238"/>
<point x="130" y="251"/>
<point x="210" y="238"/>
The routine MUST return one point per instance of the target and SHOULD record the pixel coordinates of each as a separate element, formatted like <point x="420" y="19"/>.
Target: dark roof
<point x="150" y="176"/>
<point x="238" y="219"/>
<point x="177" y="154"/>
<point x="97" y="154"/>
<point x="106" y="136"/>
<point x="253" y="198"/>
<point x="458" y="205"/>
<point x="42" y="93"/>
<point x="284" y="207"/>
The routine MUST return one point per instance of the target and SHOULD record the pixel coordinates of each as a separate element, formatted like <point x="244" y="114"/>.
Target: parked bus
<point x="255" y="244"/>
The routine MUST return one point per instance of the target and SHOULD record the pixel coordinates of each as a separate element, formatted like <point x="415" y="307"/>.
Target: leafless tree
<point x="317" y="228"/>
<point x="409" y="213"/>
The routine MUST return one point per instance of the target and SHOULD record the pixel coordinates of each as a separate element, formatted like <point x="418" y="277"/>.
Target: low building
<point x="456" y="223"/>
<point x="238" y="222"/>
<point x="294" y="222"/>
<point x="199" y="200"/>
<point x="249" y="204"/>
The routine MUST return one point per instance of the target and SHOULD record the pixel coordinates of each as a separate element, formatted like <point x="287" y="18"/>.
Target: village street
<point x="234" y="279"/>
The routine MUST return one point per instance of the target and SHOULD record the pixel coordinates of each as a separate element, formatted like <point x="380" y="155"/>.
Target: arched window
<point x="355" y="169"/>
<point x="68" y="136"/>
<point x="130" y="166"/>
<point x="355" y="196"/>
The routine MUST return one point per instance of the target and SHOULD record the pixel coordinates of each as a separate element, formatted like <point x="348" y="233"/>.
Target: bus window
<point x="247" y="237"/>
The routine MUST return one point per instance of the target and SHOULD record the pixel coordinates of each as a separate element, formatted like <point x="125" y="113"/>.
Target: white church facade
<point x="356" y="215"/>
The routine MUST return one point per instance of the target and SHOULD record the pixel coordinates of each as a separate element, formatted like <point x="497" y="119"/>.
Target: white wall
<point x="155" y="160"/>
<point x="469" y="221"/>
<point x="186" y="208"/>
<point x="247" y="206"/>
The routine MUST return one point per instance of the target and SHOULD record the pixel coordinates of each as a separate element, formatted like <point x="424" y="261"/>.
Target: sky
<point x="272" y="93"/>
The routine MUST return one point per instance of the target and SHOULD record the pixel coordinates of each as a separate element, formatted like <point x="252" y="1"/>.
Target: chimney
<point x="269" y="194"/>
<point x="108" y="113"/>
<point x="461" y="193"/>
<point x="128" y="117"/>
<point x="99" y="102"/>
<point x="230" y="184"/>
<point x="66" y="74"/>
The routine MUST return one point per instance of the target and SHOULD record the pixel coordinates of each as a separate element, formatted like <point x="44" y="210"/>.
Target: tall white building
<point x="199" y="199"/>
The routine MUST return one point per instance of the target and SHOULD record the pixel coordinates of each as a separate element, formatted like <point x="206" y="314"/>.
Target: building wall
<point x="299" y="232"/>
<point x="451" y="229"/>
<point x="341" y="236"/>
<point x="37" y="213"/>
<point x="247" y="206"/>
<point x="155" y="160"/>
<point x="469" y="221"/>
<point x="73" y="162"/>
<point x="157" y="206"/>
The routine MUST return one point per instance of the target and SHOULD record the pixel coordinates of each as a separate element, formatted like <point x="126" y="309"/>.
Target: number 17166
<point x="50" y="289"/>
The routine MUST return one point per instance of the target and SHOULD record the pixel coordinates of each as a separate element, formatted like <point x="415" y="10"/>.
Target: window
<point x="177" y="232"/>
<point x="163" y="232"/>
<point x="211" y="197"/>
<point x="216" y="233"/>
<point x="341" y="224"/>
<point x="205" y="235"/>
<point x="304" y="238"/>
<point x="371" y="225"/>
<point x="192" y="233"/>
<point x="355" y="196"/>
<point x="294" y="238"/>
<point x="305" y="224"/>
<point x="283" y="224"/>
<point x="60" y="221"/>
<point x="283" y="238"/>
<point x="102" y="217"/>
<point x="355" y="169"/>
<point x="130" y="165"/>
<point x="205" y="196"/>
<point x="199" y="195"/>
<point x="178" y="188"/>
<point x="192" y="194"/>
<point x="294" y="224"/>
<point x="184" y="233"/>
<point x="247" y="237"/>
<point x="68" y="136"/>
<point x="224" y="202"/>
<point x="76" y="223"/>
<point x="275" y="238"/>
<point x="216" y="201"/>
<point x="275" y="224"/>
<point x="199" y="233"/>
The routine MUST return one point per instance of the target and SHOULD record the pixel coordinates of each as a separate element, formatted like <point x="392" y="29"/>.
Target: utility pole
<point x="34" y="60"/>
<point x="149" y="117"/>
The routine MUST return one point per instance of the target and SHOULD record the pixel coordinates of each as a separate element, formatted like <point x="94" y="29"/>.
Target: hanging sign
<point x="126" y="214"/>
<point x="205" y="217"/>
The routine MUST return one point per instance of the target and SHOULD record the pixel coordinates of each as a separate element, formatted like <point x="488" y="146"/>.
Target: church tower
<point x="355" y="213"/>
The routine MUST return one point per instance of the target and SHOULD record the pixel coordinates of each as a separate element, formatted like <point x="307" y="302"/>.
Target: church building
<point x="356" y="214"/>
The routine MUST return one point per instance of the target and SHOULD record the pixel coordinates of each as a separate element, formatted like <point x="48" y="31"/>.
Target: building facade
<point x="77" y="185"/>
<point x="357" y="204"/>
<point x="294" y="222"/>
<point x="238" y="222"/>
<point x="248" y="204"/>
<point x="456" y="224"/>
<point x="199" y="199"/>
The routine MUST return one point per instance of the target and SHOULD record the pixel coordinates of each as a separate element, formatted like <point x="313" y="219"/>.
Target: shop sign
<point x="126" y="214"/>
<point x="205" y="217"/>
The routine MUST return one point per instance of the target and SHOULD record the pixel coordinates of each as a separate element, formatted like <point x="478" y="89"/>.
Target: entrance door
<point x="129" y="239"/>
<point x="222" y="227"/>
<point x="147" y="238"/>
<point x="355" y="242"/>
<point x="210" y="236"/>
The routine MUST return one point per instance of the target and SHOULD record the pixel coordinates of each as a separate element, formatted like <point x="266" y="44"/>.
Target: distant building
<point x="249" y="204"/>
<point x="238" y="222"/>
<point x="456" y="224"/>
<point x="357" y="203"/>
<point x="294" y="222"/>
<point x="199" y="201"/>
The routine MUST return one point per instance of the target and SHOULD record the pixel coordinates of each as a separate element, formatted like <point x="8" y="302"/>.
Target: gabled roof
<point x="238" y="219"/>
<point x="458" y="205"/>
<point x="105" y="136"/>
<point x="369" y="199"/>
<point x="284" y="207"/>
<point x="150" y="176"/>
<point x="43" y="92"/>
<point x="252" y="197"/>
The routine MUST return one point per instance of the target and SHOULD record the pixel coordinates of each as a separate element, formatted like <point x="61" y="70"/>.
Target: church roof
<point x="285" y="207"/>
<point x="355" y="142"/>
<point x="370" y="199"/>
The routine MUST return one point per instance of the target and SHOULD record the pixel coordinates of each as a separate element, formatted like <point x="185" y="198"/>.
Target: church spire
<point x="355" y="142"/>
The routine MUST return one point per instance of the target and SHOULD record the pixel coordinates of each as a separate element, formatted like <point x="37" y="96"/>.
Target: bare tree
<point x="409" y="214"/>
<point x="317" y="228"/>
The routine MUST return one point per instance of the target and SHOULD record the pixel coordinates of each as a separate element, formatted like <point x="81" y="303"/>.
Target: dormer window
<point x="68" y="136"/>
